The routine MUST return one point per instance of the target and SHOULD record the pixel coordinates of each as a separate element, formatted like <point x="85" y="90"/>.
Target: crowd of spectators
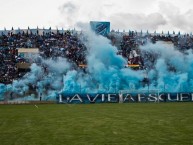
<point x="53" y="44"/>
<point x="130" y="42"/>
<point x="50" y="45"/>
<point x="8" y="69"/>
<point x="62" y="45"/>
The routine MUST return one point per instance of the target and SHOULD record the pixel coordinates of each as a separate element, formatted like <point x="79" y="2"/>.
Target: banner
<point x="124" y="98"/>
<point x="102" y="28"/>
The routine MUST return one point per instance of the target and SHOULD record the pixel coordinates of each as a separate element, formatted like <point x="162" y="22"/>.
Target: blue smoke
<point x="105" y="70"/>
<point x="177" y="79"/>
<point x="2" y="91"/>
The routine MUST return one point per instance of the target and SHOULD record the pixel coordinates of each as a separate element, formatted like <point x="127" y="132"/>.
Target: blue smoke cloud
<point x="177" y="79"/>
<point x="106" y="67"/>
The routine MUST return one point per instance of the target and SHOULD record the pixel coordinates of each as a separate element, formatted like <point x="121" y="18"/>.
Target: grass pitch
<point x="100" y="124"/>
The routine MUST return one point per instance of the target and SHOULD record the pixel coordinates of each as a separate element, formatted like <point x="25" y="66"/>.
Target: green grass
<point x="100" y="124"/>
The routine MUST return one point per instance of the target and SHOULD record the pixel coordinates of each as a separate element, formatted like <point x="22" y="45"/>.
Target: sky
<point x="152" y="15"/>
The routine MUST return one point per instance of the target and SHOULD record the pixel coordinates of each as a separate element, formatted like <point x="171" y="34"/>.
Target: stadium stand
<point x="16" y="45"/>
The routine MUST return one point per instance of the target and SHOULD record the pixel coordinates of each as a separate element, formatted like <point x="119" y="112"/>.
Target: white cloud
<point x="124" y="14"/>
<point x="147" y="14"/>
<point x="137" y="21"/>
<point x="177" y="19"/>
<point x="69" y="12"/>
